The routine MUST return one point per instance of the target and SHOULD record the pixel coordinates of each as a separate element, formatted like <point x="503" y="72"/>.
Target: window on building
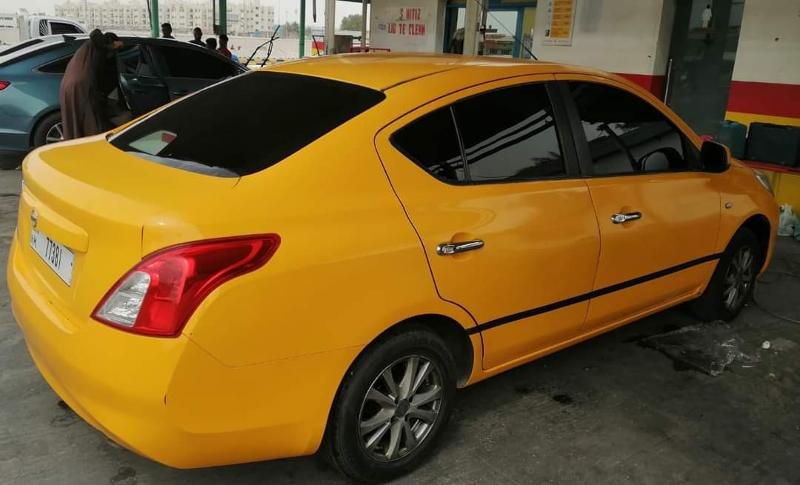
<point x="193" y="63"/>
<point x="432" y="143"/>
<point x="626" y="134"/>
<point x="510" y="134"/>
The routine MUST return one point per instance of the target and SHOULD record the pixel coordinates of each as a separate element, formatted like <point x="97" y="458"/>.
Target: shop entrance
<point x="508" y="25"/>
<point x="705" y="35"/>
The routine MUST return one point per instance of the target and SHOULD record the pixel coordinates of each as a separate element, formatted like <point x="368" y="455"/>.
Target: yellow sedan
<point x="318" y="254"/>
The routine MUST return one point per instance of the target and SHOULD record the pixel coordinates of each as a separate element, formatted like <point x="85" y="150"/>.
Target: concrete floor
<point x="607" y="411"/>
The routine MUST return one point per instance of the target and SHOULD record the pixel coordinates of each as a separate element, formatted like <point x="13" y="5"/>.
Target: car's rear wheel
<point x="49" y="130"/>
<point x="392" y="407"/>
<point x="731" y="285"/>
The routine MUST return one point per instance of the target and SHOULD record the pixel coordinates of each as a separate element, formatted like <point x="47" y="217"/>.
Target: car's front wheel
<point x="733" y="280"/>
<point x="392" y="407"/>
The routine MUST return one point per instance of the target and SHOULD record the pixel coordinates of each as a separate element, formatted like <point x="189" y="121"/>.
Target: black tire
<point x="715" y="303"/>
<point x="345" y="445"/>
<point x="45" y="124"/>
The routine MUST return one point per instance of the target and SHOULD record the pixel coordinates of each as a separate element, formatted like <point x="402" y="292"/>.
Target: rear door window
<point x="510" y="134"/>
<point x="507" y="134"/>
<point x="432" y="143"/>
<point x="194" y="63"/>
<point x="245" y="124"/>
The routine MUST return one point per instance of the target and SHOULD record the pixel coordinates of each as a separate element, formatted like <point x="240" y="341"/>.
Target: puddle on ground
<point x="708" y="348"/>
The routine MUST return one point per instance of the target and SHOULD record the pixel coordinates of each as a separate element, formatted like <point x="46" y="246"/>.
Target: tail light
<point x="4" y="84"/>
<point x="159" y="294"/>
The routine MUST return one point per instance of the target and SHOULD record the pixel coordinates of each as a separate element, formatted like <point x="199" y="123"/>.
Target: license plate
<point x="56" y="255"/>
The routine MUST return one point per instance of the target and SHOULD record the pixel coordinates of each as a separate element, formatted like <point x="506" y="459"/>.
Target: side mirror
<point x="714" y="156"/>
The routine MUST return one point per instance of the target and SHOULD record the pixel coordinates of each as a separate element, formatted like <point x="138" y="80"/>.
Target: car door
<point x="510" y="235"/>
<point x="658" y="212"/>
<point x="140" y="83"/>
<point x="186" y="68"/>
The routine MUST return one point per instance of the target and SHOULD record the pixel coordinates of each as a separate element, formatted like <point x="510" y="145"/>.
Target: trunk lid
<point x="95" y="200"/>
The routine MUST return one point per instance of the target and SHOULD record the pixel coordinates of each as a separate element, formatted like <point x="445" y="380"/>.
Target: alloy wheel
<point x="400" y="408"/>
<point x="55" y="133"/>
<point x="739" y="277"/>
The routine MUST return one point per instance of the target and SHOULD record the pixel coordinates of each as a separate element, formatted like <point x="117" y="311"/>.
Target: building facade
<point x="709" y="59"/>
<point x="247" y="17"/>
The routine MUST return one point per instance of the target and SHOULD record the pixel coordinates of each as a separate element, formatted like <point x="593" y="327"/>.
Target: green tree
<point x="351" y="22"/>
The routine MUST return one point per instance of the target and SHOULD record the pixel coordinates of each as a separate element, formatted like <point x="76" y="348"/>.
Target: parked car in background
<point x="272" y="283"/>
<point x="151" y="73"/>
<point x="19" y="27"/>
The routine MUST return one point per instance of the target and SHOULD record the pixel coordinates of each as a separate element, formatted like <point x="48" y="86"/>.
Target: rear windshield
<point x="20" y="53"/>
<point x="245" y="124"/>
<point x="20" y="46"/>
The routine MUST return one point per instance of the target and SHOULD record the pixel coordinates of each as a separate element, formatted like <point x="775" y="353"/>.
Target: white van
<point x="19" y="27"/>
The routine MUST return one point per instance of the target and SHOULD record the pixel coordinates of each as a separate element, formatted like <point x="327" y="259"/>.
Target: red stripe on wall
<point x="654" y="84"/>
<point x="765" y="98"/>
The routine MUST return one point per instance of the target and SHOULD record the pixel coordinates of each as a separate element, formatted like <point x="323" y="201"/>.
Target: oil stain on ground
<point x="125" y="476"/>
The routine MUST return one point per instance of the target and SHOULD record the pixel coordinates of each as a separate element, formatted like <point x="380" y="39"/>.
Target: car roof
<point x="383" y="71"/>
<point x="53" y="42"/>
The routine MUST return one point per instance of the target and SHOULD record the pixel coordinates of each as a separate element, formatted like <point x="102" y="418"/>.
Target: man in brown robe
<point x="86" y="85"/>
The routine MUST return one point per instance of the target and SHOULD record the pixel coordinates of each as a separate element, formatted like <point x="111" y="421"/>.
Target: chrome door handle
<point x="446" y="249"/>
<point x="620" y="218"/>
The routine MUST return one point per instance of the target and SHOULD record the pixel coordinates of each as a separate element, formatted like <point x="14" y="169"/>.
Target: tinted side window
<point x="57" y="67"/>
<point x="628" y="135"/>
<point x="193" y="63"/>
<point x="58" y="28"/>
<point x="510" y="134"/>
<point x="134" y="60"/>
<point x="431" y="141"/>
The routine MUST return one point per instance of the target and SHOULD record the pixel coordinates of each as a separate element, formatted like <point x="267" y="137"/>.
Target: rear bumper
<point x="8" y="157"/>
<point x="14" y="142"/>
<point x="168" y="399"/>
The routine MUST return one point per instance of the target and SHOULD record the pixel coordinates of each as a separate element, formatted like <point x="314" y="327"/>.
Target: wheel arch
<point x="39" y="119"/>
<point x="453" y="334"/>
<point x="759" y="225"/>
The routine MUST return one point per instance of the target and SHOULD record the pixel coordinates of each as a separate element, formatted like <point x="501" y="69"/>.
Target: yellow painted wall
<point x="747" y="118"/>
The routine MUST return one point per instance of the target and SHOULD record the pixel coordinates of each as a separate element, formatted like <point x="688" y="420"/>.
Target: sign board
<point x="559" y="22"/>
<point x="404" y="28"/>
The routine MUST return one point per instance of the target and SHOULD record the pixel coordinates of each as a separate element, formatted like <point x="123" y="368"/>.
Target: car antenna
<point x="513" y="35"/>
<point x="269" y="41"/>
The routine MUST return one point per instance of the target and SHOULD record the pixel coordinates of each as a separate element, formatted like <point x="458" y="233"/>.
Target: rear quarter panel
<point x="349" y="266"/>
<point x="31" y="95"/>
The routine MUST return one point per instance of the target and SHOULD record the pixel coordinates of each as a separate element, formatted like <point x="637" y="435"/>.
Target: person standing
<point x="88" y="79"/>
<point x="706" y="16"/>
<point x="198" y="37"/>
<point x="223" y="46"/>
<point x="166" y="30"/>
<point x="211" y="43"/>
